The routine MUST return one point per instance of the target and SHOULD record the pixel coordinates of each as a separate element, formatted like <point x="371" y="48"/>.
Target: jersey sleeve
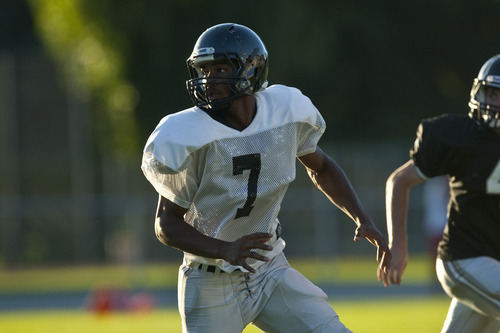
<point x="312" y="125"/>
<point x="167" y="163"/>
<point x="178" y="187"/>
<point x="432" y="152"/>
<point x="309" y="135"/>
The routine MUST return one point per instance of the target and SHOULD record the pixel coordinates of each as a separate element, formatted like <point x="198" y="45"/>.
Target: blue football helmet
<point x="237" y="45"/>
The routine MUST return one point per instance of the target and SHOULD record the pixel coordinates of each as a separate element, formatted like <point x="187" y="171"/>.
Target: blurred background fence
<point x="60" y="203"/>
<point x="83" y="83"/>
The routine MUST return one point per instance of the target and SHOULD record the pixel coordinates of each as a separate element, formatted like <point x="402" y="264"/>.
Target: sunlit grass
<point x="360" y="270"/>
<point x="346" y="270"/>
<point x="389" y="315"/>
<point x="405" y="314"/>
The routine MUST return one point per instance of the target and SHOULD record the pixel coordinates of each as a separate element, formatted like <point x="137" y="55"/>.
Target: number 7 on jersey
<point x="247" y="162"/>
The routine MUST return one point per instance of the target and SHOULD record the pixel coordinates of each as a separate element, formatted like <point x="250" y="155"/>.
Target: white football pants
<point x="474" y="286"/>
<point x="276" y="298"/>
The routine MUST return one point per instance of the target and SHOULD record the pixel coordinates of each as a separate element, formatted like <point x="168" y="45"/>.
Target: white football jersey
<point x="232" y="182"/>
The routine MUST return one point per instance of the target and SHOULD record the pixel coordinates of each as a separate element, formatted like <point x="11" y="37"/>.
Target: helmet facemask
<point x="487" y="79"/>
<point x="486" y="114"/>
<point x="240" y="83"/>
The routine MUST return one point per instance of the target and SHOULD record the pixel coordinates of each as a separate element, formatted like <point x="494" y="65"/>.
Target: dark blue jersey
<point x="469" y="154"/>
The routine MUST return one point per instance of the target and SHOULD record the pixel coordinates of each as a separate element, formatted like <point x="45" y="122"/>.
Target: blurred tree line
<point x="373" y="69"/>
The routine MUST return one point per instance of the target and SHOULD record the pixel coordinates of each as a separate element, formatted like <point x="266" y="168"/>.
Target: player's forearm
<point x="397" y="199"/>
<point x="397" y="192"/>
<point x="175" y="232"/>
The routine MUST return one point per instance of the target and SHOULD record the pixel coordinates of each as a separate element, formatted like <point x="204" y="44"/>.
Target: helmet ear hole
<point x="243" y="85"/>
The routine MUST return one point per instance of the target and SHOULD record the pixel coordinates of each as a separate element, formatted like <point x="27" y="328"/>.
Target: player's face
<point x="217" y="72"/>
<point x="492" y="96"/>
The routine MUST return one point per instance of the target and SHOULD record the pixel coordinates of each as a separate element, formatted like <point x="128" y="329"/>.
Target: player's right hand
<point x="397" y="267"/>
<point x="374" y="236"/>
<point x="240" y="250"/>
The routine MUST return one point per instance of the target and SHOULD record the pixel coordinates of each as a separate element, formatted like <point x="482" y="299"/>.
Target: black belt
<point x="212" y="268"/>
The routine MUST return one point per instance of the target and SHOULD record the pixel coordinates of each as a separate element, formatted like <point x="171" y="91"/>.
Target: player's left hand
<point x="374" y="236"/>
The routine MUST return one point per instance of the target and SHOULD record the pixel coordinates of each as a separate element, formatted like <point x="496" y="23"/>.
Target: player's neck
<point x="241" y="114"/>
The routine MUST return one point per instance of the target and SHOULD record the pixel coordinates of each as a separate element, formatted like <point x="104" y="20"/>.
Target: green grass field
<point x="411" y="315"/>
<point x="423" y="314"/>
<point x="345" y="270"/>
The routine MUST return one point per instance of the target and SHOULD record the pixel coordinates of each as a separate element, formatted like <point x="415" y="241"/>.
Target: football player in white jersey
<point x="466" y="148"/>
<point x="222" y="169"/>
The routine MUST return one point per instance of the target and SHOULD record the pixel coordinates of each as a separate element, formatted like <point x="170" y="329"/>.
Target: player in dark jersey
<point x="467" y="149"/>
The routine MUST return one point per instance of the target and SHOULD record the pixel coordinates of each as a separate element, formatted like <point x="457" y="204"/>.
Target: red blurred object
<point x="106" y="299"/>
